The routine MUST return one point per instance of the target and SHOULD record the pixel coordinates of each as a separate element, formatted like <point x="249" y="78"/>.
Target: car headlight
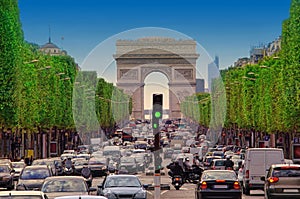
<point x="140" y="194"/>
<point x="110" y="195"/>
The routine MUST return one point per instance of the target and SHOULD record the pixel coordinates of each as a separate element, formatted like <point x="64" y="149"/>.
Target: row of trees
<point x="37" y="90"/>
<point x="263" y="97"/>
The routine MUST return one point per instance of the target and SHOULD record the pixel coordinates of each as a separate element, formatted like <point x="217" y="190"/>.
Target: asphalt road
<point x="186" y="191"/>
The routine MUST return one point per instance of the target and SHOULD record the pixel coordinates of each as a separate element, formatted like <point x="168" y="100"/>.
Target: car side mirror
<point x="263" y="178"/>
<point x="100" y="186"/>
<point x="92" y="189"/>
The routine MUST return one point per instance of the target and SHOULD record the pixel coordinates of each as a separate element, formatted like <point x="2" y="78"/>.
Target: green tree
<point x="11" y="43"/>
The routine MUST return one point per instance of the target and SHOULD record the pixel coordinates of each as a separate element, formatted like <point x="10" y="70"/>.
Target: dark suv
<point x="6" y="176"/>
<point x="282" y="181"/>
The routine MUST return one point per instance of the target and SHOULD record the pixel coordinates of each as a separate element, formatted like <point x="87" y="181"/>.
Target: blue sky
<point x="226" y="28"/>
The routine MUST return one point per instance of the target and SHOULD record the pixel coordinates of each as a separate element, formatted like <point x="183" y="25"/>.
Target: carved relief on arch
<point x="128" y="74"/>
<point x="163" y="69"/>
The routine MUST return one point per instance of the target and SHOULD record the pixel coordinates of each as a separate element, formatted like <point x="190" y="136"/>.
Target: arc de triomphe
<point x="176" y="59"/>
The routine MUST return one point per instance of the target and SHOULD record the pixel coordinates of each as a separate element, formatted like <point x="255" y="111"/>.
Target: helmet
<point x="187" y="159"/>
<point x="227" y="157"/>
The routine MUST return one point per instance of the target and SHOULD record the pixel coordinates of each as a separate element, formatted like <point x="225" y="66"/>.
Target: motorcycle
<point x="68" y="169"/>
<point x="193" y="175"/>
<point x="87" y="174"/>
<point x="177" y="181"/>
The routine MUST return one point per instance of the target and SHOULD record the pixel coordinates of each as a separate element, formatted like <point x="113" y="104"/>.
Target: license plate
<point x="220" y="186"/>
<point x="291" y="190"/>
<point x="256" y="178"/>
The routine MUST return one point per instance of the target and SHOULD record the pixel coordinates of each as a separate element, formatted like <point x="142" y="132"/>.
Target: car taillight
<point x="203" y="185"/>
<point x="236" y="185"/>
<point x="213" y="167"/>
<point x="273" y="179"/>
<point x="177" y="179"/>
<point x="247" y="174"/>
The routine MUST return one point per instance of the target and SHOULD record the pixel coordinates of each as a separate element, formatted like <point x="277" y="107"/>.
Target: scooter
<point x="68" y="169"/>
<point x="87" y="174"/>
<point x="177" y="181"/>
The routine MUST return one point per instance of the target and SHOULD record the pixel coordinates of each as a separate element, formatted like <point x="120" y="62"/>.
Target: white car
<point x="22" y="194"/>
<point x="81" y="197"/>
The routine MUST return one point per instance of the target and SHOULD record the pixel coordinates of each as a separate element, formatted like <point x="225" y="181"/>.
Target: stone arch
<point x="176" y="59"/>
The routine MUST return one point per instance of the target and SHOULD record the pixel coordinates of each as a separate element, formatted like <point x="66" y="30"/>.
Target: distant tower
<point x="52" y="49"/>
<point x="217" y="61"/>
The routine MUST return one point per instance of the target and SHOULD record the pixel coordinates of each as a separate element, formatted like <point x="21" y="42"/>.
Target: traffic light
<point x="157" y="110"/>
<point x="157" y="163"/>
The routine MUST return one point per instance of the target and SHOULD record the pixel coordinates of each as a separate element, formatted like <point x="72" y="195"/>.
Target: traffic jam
<point x="120" y="161"/>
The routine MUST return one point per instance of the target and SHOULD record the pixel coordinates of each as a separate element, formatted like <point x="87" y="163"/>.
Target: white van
<point x="257" y="161"/>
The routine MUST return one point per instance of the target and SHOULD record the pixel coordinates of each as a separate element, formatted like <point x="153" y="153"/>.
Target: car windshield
<point x="220" y="163"/>
<point x="64" y="185"/>
<point x="286" y="172"/>
<point x="127" y="160"/>
<point x="38" y="173"/>
<point x="216" y="175"/>
<point x="96" y="162"/>
<point x="122" y="182"/>
<point x="112" y="153"/>
<point x="18" y="164"/>
<point x="4" y="169"/>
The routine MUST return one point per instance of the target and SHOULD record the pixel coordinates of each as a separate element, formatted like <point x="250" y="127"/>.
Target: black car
<point x="98" y="166"/>
<point x="122" y="186"/>
<point x="33" y="177"/>
<point x="218" y="184"/>
<point x="6" y="176"/>
<point x="128" y="164"/>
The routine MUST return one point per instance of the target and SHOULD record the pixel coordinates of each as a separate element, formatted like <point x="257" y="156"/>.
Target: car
<point x="32" y="177"/>
<point x="128" y="164"/>
<point x="218" y="184"/>
<point x="282" y="181"/>
<point x="56" y="186"/>
<point x="18" y="167"/>
<point x="141" y="161"/>
<point x="122" y="186"/>
<point x="6" y="176"/>
<point x="168" y="152"/>
<point x="98" y="166"/>
<point x="83" y="155"/>
<point x="22" y="195"/>
<point x="218" y="164"/>
<point x="49" y="162"/>
<point x="207" y="161"/>
<point x="78" y="165"/>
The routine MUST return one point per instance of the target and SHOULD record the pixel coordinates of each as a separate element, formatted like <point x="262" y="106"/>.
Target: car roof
<point x="80" y="196"/>
<point x="221" y="171"/>
<point x="123" y="175"/>
<point x="284" y="165"/>
<point x="64" y="177"/>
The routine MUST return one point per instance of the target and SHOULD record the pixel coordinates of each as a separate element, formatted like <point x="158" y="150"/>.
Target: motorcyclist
<point x="175" y="169"/>
<point x="228" y="163"/>
<point x="87" y="174"/>
<point x="187" y="168"/>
